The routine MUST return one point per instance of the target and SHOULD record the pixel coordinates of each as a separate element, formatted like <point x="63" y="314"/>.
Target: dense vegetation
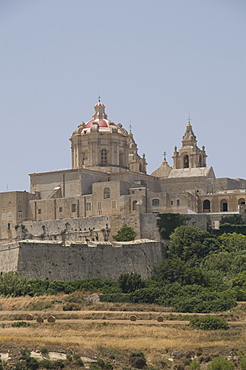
<point x="203" y="272"/>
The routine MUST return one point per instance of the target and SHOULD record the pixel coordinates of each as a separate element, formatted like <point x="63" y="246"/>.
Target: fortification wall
<point x="9" y="256"/>
<point x="42" y="260"/>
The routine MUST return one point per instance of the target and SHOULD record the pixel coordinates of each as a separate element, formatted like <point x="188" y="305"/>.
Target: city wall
<point x="54" y="261"/>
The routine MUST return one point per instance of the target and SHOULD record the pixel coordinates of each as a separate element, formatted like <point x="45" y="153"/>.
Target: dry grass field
<point x="104" y="330"/>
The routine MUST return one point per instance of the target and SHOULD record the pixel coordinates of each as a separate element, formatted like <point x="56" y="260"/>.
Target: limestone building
<point x="108" y="181"/>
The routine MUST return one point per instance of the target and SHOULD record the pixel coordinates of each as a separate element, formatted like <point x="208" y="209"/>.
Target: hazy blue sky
<point x="153" y="63"/>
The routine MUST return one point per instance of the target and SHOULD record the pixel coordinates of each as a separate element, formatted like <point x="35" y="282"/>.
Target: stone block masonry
<point x="53" y="261"/>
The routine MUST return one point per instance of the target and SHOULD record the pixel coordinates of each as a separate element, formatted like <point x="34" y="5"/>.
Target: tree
<point x="125" y="234"/>
<point x="232" y="242"/>
<point x="130" y="282"/>
<point x="168" y="222"/>
<point x="190" y="243"/>
<point x="240" y="280"/>
<point x="174" y="270"/>
<point x="12" y="284"/>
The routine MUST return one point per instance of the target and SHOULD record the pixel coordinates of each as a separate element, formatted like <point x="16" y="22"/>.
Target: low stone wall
<point x="53" y="261"/>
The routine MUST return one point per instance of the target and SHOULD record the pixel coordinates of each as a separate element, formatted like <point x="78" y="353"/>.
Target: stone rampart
<point x="54" y="261"/>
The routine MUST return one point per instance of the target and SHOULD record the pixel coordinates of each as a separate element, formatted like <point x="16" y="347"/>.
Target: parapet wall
<point x="53" y="261"/>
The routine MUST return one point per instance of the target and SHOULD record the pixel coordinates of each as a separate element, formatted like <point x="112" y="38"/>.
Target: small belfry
<point x="101" y="144"/>
<point x="189" y="155"/>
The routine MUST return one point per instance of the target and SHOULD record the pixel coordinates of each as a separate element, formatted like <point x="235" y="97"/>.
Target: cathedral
<point x="109" y="177"/>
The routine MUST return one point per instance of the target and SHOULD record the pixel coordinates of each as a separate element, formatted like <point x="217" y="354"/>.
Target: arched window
<point x="186" y="161"/>
<point x="155" y="202"/>
<point x="104" y="158"/>
<point x="206" y="205"/>
<point x="223" y="205"/>
<point x="241" y="201"/>
<point x="134" y="205"/>
<point x="200" y="161"/>
<point x="106" y="193"/>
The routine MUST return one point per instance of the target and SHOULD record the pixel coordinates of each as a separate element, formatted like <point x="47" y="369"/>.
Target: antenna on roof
<point x="165" y="156"/>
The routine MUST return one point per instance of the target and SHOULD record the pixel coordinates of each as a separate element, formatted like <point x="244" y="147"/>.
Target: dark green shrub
<point x="145" y="295"/>
<point x="208" y="323"/>
<point x="32" y="364"/>
<point x="138" y="360"/>
<point x="20" y="324"/>
<point x="13" y="285"/>
<point x="94" y="367"/>
<point x="167" y="223"/>
<point x="219" y="363"/>
<point x="78" y="361"/>
<point x="59" y="364"/>
<point x="243" y="363"/>
<point x="46" y="364"/>
<point x="125" y="234"/>
<point x="25" y="354"/>
<point x="104" y="365"/>
<point x="130" y="282"/>
<point x="69" y="357"/>
<point x="118" y="297"/>
<point x="194" y="365"/>
<point x="44" y="350"/>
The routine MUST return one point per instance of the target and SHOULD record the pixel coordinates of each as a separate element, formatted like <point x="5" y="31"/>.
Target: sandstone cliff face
<point x="53" y="261"/>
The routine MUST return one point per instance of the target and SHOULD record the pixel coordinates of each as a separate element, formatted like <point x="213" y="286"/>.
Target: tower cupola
<point x="189" y="155"/>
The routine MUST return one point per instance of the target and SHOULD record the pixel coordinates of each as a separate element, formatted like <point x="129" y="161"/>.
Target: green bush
<point x="58" y="364"/>
<point x="21" y="324"/>
<point x="125" y="234"/>
<point x="78" y="361"/>
<point x="194" y="365"/>
<point x="44" y="350"/>
<point x="129" y="282"/>
<point x="118" y="297"/>
<point x="138" y="360"/>
<point x="243" y="363"/>
<point x="145" y="295"/>
<point x="32" y="364"/>
<point x="104" y="365"/>
<point x="219" y="363"/>
<point x="46" y="364"/>
<point x="13" y="285"/>
<point x="208" y="323"/>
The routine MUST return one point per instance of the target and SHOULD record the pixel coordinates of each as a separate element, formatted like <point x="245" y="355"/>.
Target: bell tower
<point x="189" y="155"/>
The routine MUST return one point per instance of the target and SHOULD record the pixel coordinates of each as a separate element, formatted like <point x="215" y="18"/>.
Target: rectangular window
<point x="178" y="202"/>
<point x="39" y="211"/>
<point x="171" y="202"/>
<point x="88" y="206"/>
<point x="60" y="209"/>
<point x="73" y="207"/>
<point x="19" y="215"/>
<point x="8" y="226"/>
